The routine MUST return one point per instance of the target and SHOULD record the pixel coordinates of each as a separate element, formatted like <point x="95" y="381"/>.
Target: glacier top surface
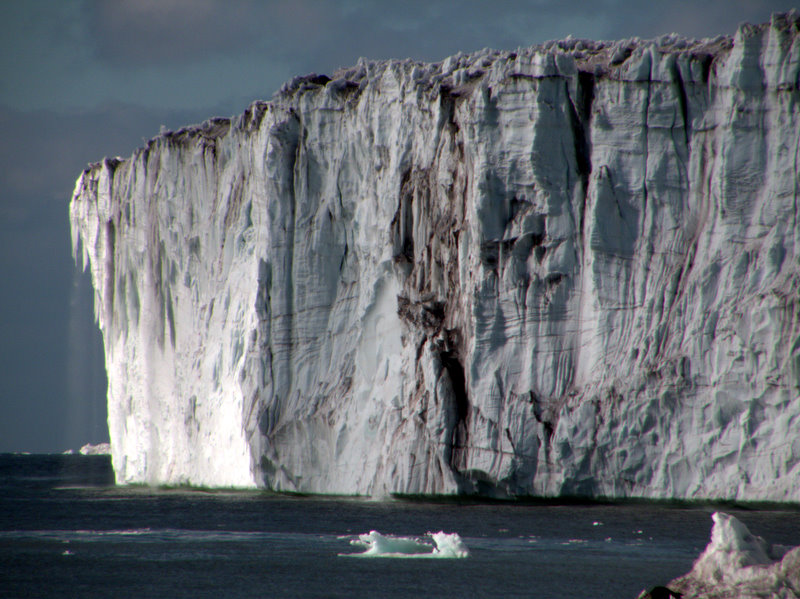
<point x="611" y="58"/>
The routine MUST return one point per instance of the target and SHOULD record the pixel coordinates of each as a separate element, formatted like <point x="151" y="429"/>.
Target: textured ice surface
<point x="570" y="269"/>
<point x="99" y="449"/>
<point x="738" y="565"/>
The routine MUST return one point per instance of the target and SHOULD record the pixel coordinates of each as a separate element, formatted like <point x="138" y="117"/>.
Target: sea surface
<point x="67" y="531"/>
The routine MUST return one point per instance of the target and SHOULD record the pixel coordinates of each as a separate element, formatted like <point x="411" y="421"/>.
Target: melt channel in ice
<point x="433" y="545"/>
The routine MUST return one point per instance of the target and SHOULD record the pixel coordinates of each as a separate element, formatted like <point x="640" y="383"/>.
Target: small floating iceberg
<point x="432" y="545"/>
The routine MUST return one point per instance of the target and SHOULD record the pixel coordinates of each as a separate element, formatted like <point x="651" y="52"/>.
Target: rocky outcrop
<point x="570" y="269"/>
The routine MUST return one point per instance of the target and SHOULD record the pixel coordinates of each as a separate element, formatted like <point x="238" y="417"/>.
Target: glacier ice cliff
<point x="570" y="269"/>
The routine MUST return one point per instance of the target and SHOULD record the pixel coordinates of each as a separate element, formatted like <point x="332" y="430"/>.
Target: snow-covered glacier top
<point x="569" y="269"/>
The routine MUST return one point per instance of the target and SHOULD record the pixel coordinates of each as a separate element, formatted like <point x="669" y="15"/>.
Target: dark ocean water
<point x="66" y="531"/>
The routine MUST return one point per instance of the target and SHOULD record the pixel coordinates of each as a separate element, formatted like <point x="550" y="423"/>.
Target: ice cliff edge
<point x="570" y="269"/>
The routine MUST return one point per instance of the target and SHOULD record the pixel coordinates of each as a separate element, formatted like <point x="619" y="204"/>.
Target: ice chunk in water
<point x="434" y="544"/>
<point x="448" y="544"/>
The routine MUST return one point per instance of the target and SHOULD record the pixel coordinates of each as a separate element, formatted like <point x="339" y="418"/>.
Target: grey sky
<point x="84" y="79"/>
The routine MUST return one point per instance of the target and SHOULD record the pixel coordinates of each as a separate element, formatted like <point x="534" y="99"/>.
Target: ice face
<point x="571" y="269"/>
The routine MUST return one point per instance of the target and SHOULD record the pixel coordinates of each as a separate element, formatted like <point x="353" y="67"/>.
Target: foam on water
<point x="433" y="545"/>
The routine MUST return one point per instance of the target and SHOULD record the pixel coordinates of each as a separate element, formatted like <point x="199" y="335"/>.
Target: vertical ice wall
<point x="569" y="269"/>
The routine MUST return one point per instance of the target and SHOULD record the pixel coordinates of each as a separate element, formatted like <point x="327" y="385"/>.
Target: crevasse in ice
<point x="569" y="269"/>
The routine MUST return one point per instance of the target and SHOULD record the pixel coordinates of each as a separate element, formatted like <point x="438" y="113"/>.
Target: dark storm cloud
<point x="154" y="32"/>
<point x="302" y="32"/>
<point x="252" y="47"/>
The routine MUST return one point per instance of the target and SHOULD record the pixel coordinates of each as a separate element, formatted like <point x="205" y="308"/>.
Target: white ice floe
<point x="433" y="545"/>
<point x="98" y="449"/>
